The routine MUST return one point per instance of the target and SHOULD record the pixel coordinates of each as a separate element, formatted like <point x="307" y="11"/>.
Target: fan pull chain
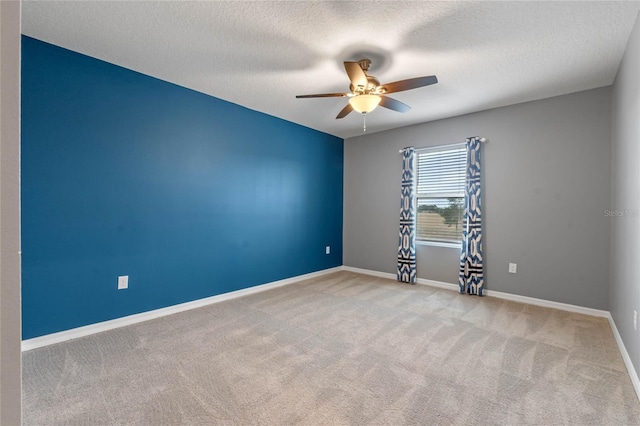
<point x="364" y="125"/>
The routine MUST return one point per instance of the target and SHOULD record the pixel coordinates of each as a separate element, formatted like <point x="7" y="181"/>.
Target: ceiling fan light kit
<point x="364" y="103"/>
<point x="366" y="92"/>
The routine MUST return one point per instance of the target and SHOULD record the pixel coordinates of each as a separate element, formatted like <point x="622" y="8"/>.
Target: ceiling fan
<point x="367" y="92"/>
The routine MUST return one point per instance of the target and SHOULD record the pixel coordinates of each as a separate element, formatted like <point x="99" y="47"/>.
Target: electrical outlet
<point x="635" y="320"/>
<point x="327" y="250"/>
<point x="123" y="282"/>
<point x="513" y="268"/>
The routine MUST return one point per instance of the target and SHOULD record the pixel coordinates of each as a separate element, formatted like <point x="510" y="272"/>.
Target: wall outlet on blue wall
<point x="327" y="250"/>
<point x="123" y="282"/>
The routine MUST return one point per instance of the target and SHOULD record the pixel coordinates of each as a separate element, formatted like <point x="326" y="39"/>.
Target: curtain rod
<point x="483" y="140"/>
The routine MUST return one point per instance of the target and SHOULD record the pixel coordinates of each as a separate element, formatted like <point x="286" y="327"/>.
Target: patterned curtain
<point x="407" y="239"/>
<point x="471" y="276"/>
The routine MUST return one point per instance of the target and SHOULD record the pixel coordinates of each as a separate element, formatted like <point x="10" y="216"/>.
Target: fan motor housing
<point x="372" y="86"/>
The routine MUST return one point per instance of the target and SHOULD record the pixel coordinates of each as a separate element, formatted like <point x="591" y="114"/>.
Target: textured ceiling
<point x="261" y="54"/>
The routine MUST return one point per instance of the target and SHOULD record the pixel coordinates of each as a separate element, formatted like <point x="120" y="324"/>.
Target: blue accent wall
<point x="189" y="195"/>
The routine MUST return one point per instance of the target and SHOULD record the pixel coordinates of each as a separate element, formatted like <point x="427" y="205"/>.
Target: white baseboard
<point x="491" y="293"/>
<point x="547" y="303"/>
<point x="387" y="275"/>
<point x="439" y="284"/>
<point x="633" y="375"/>
<point x="369" y="272"/>
<point x="74" y="333"/>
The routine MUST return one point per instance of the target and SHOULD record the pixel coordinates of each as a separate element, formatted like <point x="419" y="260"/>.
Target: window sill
<point x="438" y="244"/>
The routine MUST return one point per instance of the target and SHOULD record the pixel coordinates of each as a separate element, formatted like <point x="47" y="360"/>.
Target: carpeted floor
<point x="340" y="349"/>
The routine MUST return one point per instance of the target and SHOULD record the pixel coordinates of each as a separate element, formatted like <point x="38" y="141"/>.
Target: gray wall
<point x="625" y="254"/>
<point x="10" y="374"/>
<point x="546" y="186"/>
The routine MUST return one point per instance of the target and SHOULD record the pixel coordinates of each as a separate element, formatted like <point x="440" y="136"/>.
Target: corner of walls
<point x="624" y="290"/>
<point x="189" y="195"/>
<point x="10" y="365"/>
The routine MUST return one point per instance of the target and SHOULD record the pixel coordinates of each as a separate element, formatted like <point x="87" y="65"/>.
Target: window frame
<point x="438" y="148"/>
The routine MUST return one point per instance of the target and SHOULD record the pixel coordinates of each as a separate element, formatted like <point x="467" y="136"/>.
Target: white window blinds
<point x="440" y="193"/>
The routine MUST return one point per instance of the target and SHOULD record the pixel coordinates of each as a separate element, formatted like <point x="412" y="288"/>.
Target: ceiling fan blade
<point x="393" y="104"/>
<point x="356" y="74"/>
<point x="412" y="83"/>
<point x="324" y="95"/>
<point x="345" y="111"/>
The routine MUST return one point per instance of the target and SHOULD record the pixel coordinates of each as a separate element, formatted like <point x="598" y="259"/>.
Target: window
<point x="440" y="193"/>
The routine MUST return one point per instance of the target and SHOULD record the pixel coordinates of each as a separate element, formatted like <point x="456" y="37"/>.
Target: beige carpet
<point x="341" y="349"/>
